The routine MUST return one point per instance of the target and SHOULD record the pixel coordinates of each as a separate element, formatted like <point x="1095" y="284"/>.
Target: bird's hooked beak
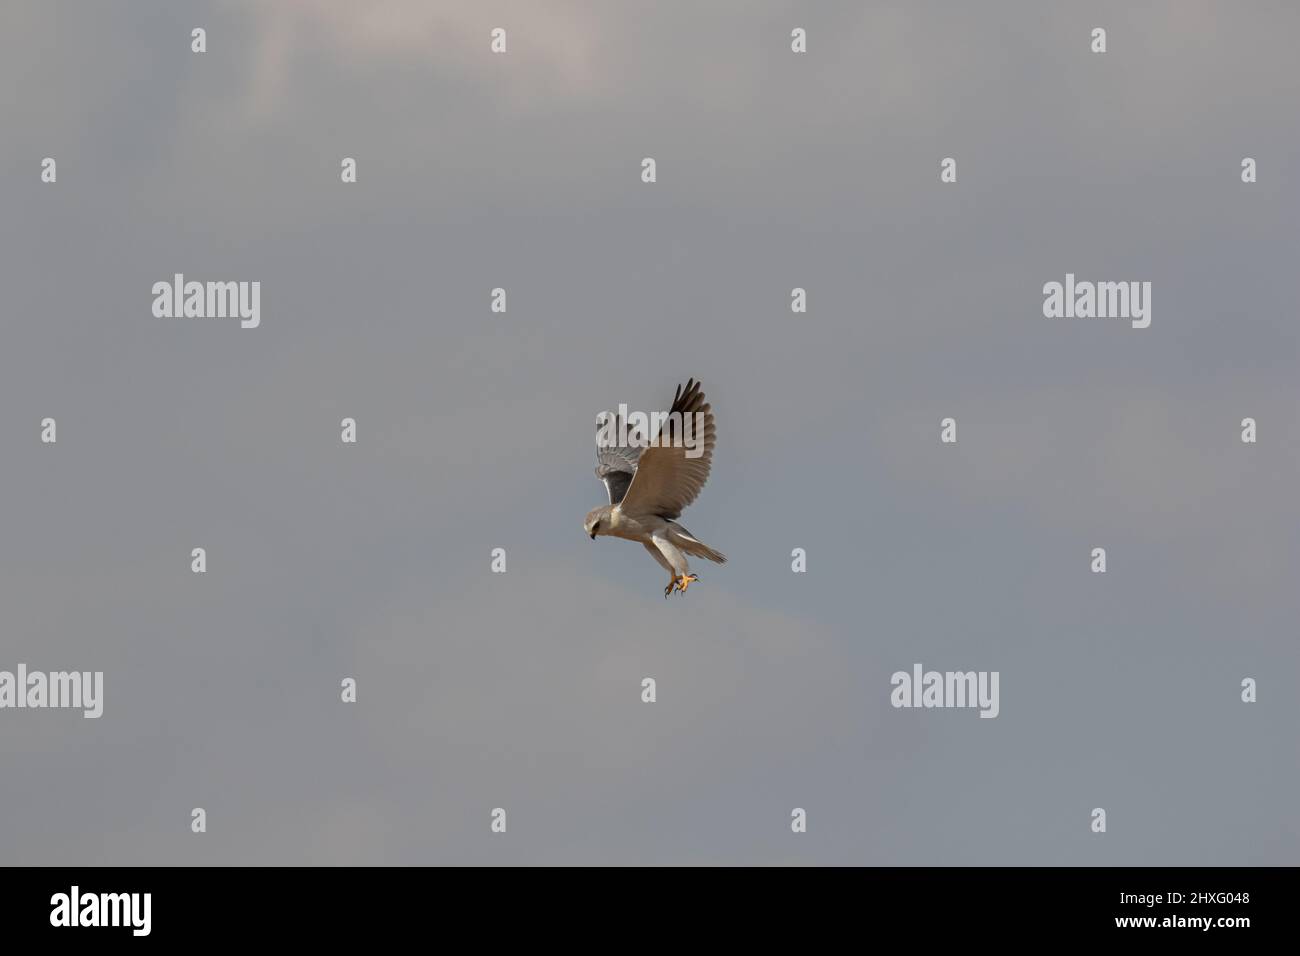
<point x="593" y="536"/>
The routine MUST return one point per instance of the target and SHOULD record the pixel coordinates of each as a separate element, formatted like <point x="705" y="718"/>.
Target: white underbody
<point x="660" y="537"/>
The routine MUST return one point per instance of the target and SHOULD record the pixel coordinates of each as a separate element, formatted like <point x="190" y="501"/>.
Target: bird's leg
<point x="684" y="582"/>
<point x="672" y="586"/>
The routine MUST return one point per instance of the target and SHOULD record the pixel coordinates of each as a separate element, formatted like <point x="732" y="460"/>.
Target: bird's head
<point x="597" y="521"/>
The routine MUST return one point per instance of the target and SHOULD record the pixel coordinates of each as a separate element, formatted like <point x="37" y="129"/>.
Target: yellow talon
<point x="684" y="581"/>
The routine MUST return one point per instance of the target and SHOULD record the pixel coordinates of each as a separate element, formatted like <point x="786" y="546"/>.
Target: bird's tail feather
<point x="692" y="545"/>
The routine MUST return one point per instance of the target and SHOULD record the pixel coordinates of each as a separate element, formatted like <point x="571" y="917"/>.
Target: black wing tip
<point x="686" y="394"/>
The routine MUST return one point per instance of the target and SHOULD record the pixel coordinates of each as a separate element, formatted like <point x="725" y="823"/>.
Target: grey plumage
<point x="616" y="464"/>
<point x="649" y="487"/>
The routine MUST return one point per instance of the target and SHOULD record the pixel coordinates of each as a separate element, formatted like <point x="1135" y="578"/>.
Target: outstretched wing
<point x="667" y="477"/>
<point x="615" y="464"/>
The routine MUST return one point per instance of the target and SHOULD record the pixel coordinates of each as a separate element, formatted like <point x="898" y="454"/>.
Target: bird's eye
<point x="596" y="526"/>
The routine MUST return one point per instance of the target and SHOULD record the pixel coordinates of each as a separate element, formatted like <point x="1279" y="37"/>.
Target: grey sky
<point x="522" y="690"/>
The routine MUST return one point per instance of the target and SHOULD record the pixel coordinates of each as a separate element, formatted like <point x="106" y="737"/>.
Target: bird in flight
<point x="650" y="486"/>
